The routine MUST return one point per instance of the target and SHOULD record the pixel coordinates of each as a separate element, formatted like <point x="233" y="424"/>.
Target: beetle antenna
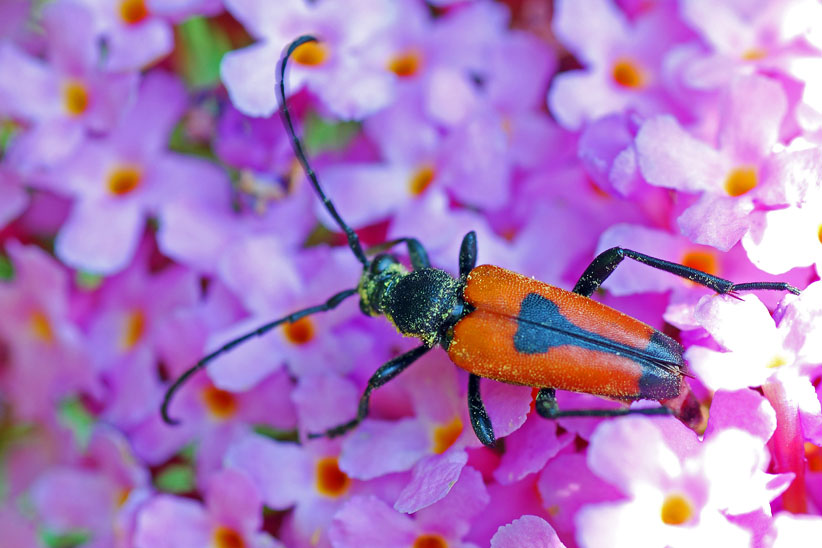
<point x="353" y="239"/>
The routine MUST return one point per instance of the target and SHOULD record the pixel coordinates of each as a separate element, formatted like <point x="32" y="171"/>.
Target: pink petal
<point x="432" y="479"/>
<point x="377" y="448"/>
<point x="526" y="532"/>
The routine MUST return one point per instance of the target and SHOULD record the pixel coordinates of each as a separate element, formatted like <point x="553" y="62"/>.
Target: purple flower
<point x="118" y="180"/>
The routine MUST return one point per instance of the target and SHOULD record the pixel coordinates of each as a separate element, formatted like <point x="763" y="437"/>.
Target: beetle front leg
<point x="547" y="408"/>
<point x="468" y="254"/>
<point x="384" y="374"/>
<point x="607" y="261"/>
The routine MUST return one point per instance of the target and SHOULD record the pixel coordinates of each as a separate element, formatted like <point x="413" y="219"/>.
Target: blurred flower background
<point x="151" y="209"/>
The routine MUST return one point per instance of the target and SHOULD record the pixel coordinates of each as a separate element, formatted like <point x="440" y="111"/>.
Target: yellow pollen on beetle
<point x="741" y="180"/>
<point x="628" y="74"/>
<point x="41" y="326"/>
<point x="429" y="540"/>
<point x="331" y="481"/>
<point x="310" y="54"/>
<point x="133" y="11"/>
<point x="446" y="434"/>
<point x="133" y="330"/>
<point x="421" y="179"/>
<point x="220" y="403"/>
<point x="299" y="332"/>
<point x="700" y="260"/>
<point x="676" y="509"/>
<point x="123" y="179"/>
<point x="225" y="537"/>
<point x="75" y="97"/>
<point x="405" y="64"/>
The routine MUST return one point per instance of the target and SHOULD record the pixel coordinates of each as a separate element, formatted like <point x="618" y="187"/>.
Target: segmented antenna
<point x="353" y="240"/>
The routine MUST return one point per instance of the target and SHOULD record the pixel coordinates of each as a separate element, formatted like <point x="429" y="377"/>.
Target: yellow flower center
<point x="677" y="509"/>
<point x="299" y="332"/>
<point x="133" y="11"/>
<point x="740" y="180"/>
<point x="123" y="179"/>
<point x="75" y="97"/>
<point x="311" y="54"/>
<point x="754" y="54"/>
<point x="446" y="434"/>
<point x="628" y="74"/>
<point x="331" y="481"/>
<point x="405" y="64"/>
<point x="221" y="403"/>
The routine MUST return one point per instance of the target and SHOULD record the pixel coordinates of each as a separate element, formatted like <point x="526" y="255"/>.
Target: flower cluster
<point x="151" y="209"/>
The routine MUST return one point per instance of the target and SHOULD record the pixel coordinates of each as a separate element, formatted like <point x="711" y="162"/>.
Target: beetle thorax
<point x="418" y="303"/>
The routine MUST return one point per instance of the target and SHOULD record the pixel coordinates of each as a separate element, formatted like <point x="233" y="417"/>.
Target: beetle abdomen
<point x="523" y="331"/>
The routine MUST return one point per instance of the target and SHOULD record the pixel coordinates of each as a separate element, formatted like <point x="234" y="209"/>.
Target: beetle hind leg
<point x="547" y="408"/>
<point x="479" y="417"/>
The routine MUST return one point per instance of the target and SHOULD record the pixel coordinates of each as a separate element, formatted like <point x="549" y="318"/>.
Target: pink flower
<point x="733" y="180"/>
<point x="232" y="516"/>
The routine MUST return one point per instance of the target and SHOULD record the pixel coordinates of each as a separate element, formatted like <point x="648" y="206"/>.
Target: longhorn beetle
<point x="505" y="326"/>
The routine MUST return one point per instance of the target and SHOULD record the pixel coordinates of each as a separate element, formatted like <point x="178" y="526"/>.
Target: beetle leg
<point x="468" y="254"/>
<point x="384" y="374"/>
<point x="416" y="251"/>
<point x="546" y="406"/>
<point x="607" y="261"/>
<point x="262" y="330"/>
<point x="479" y="417"/>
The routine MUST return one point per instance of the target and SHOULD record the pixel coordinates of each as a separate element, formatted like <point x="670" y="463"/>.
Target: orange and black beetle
<point x="504" y="326"/>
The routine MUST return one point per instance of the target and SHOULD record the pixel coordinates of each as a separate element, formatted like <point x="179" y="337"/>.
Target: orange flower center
<point x="133" y="11"/>
<point x="446" y="434"/>
<point x="225" y="537"/>
<point x="123" y="179"/>
<point x="677" y="509"/>
<point x="405" y="64"/>
<point x="628" y="74"/>
<point x="299" y="332"/>
<point x="311" y="54"/>
<point x="221" y="403"/>
<point x="41" y="326"/>
<point x="331" y="481"/>
<point x="700" y="260"/>
<point x="740" y="180"/>
<point x="421" y="179"/>
<point x="430" y="541"/>
<point x="133" y="330"/>
<point x="75" y="97"/>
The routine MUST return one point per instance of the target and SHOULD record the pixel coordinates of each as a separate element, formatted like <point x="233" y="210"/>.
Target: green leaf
<point x="201" y="45"/>
<point x="176" y="478"/>
<point x="322" y="134"/>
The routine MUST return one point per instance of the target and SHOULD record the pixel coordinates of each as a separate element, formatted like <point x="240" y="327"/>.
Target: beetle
<point x="501" y="325"/>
